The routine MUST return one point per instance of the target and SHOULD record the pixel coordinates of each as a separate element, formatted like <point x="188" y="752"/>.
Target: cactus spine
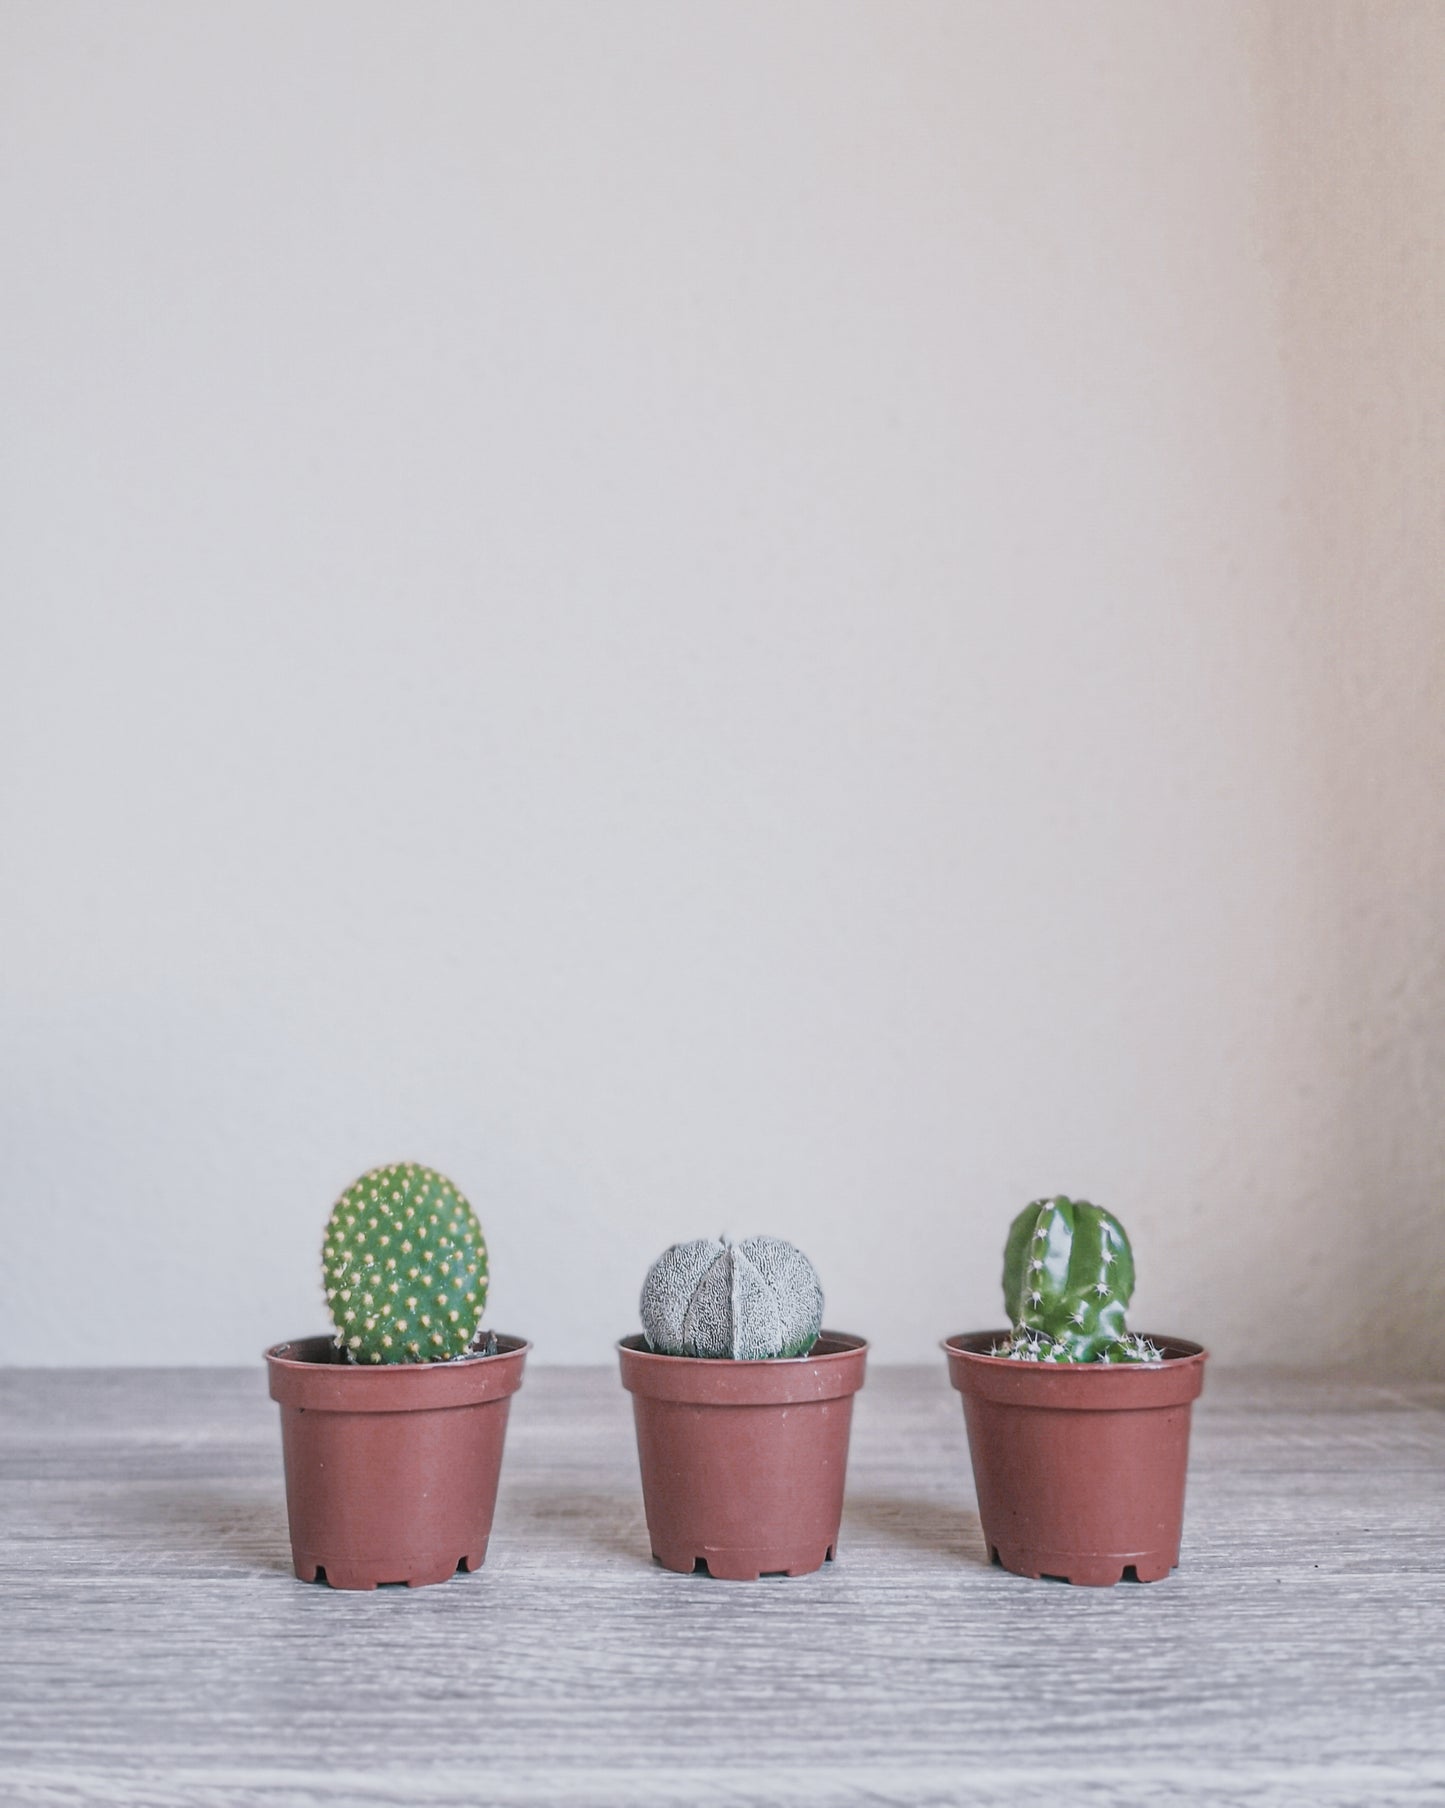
<point x="405" y="1267"/>
<point x="1068" y="1274"/>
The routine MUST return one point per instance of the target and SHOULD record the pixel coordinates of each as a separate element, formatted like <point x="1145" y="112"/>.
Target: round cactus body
<point x="405" y="1267"/>
<point x="1068" y="1274"/>
<point x="747" y="1301"/>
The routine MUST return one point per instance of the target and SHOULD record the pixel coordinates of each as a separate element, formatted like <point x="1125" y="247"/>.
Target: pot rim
<point x="1104" y="1387"/>
<point x="1183" y="1350"/>
<point x="300" y="1378"/>
<point x="849" y="1344"/>
<point x="507" y="1345"/>
<point x="734" y="1381"/>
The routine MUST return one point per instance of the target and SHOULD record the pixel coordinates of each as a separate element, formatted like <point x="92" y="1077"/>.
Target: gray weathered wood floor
<point x="157" y="1651"/>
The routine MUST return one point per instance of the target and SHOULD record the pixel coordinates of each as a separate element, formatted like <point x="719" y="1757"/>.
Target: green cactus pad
<point x="405" y="1267"/>
<point x="1068" y="1274"/>
<point x="748" y="1301"/>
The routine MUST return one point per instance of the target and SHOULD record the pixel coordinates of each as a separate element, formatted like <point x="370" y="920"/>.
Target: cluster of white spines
<point x="1026" y="1345"/>
<point x="1133" y="1347"/>
<point x="405" y="1267"/>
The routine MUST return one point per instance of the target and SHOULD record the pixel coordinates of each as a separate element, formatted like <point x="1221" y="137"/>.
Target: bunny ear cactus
<point x="1068" y="1274"/>
<point x="405" y="1267"/>
<point x="747" y="1301"/>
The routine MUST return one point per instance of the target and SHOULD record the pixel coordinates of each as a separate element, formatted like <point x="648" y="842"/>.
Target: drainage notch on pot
<point x="1079" y="1467"/>
<point x="391" y="1470"/>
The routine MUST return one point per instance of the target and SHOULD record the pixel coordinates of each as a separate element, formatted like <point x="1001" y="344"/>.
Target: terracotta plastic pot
<point x="1079" y="1467"/>
<point x="391" y="1470"/>
<point x="743" y="1462"/>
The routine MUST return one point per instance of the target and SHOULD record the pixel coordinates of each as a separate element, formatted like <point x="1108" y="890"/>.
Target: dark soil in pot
<point x="391" y="1469"/>
<point x="1079" y="1467"/>
<point x="743" y="1463"/>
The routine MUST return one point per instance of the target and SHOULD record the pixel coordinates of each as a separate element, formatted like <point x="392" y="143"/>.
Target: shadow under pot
<point x="1079" y="1466"/>
<point x="391" y="1469"/>
<point x="742" y="1462"/>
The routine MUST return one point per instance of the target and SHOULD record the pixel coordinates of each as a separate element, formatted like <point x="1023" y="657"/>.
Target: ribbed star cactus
<point x="1068" y="1274"/>
<point x="405" y="1267"/>
<point x="749" y="1301"/>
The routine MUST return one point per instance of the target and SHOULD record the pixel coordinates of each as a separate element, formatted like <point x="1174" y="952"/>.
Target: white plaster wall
<point x="797" y="617"/>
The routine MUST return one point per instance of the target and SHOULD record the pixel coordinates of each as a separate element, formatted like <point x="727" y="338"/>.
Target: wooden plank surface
<point x="157" y="1652"/>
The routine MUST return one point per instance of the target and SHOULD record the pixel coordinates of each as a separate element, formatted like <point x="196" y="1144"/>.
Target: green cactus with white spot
<point x="405" y="1267"/>
<point x="1068" y="1274"/>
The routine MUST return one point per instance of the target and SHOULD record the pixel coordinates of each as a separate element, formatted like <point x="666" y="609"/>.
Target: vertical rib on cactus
<point x="405" y="1267"/>
<point x="1068" y="1274"/>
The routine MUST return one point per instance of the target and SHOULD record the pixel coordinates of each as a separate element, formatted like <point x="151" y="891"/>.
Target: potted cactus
<point x="1078" y="1429"/>
<point x="743" y="1405"/>
<point x="392" y="1425"/>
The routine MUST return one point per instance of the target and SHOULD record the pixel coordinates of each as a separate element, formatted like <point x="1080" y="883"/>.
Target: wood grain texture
<point x="157" y="1652"/>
